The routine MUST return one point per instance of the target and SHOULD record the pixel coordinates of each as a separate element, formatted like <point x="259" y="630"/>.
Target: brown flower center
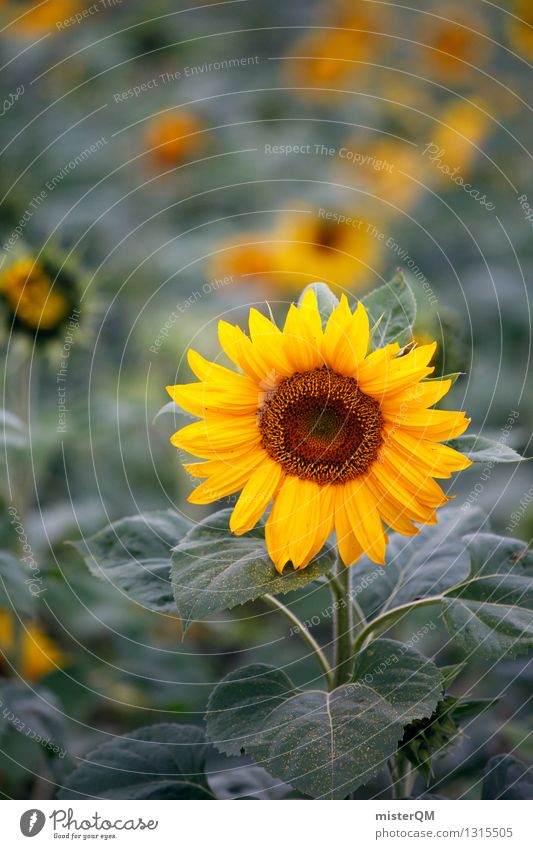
<point x="320" y="426"/>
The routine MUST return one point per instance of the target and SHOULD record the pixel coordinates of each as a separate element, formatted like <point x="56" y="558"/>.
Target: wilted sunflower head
<point x="38" y="294"/>
<point x="336" y="436"/>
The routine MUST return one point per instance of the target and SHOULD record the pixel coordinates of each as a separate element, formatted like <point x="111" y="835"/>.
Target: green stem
<point x="388" y="617"/>
<point x="342" y="625"/>
<point x="305" y="635"/>
<point x="359" y="618"/>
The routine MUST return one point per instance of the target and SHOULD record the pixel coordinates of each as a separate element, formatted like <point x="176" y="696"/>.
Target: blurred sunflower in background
<point x="519" y="26"/>
<point x="336" y="51"/>
<point x="38" y="654"/>
<point x="462" y="129"/>
<point x="340" y="248"/>
<point x="38" y="295"/>
<point x="451" y="41"/>
<point x="385" y="170"/>
<point x="30" y="19"/>
<point x="335" y="435"/>
<point x="171" y="139"/>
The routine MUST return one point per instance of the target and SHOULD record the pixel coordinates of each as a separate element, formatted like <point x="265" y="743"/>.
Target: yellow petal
<point x="349" y="548"/>
<point x="255" y="497"/>
<point x="365" y="521"/>
<point x="216" y="439"/>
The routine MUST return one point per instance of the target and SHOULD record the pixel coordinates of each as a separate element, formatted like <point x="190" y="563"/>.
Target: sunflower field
<point x="266" y="461"/>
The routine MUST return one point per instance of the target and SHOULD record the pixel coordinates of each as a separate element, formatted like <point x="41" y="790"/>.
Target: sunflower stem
<point x="305" y="635"/>
<point x="382" y="622"/>
<point x="342" y="625"/>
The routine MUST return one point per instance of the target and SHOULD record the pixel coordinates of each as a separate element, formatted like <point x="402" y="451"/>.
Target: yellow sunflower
<point x="40" y="655"/>
<point x="31" y="19"/>
<point x="453" y="42"/>
<point x="340" y="247"/>
<point x="337" y="437"/>
<point x="520" y="28"/>
<point x="36" y="303"/>
<point x="463" y="127"/>
<point x="171" y="139"/>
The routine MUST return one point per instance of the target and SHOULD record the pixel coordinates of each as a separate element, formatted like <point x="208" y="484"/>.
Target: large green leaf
<point x="165" y="761"/>
<point x="134" y="554"/>
<point x="325" y="299"/>
<point x="35" y="713"/>
<point x="491" y="612"/>
<point x="480" y="449"/>
<point x="419" y="566"/>
<point x="214" y="570"/>
<point x="393" y="308"/>
<point x="324" y="744"/>
<point x="491" y="554"/>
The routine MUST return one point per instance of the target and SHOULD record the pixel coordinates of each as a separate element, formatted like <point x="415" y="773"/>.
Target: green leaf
<point x="468" y="709"/>
<point x="165" y="761"/>
<point x="324" y="744"/>
<point x="325" y="299"/>
<point x="424" y="565"/>
<point x="491" y="612"/>
<point x="34" y="713"/>
<point x="480" y="449"/>
<point x="491" y="617"/>
<point x="491" y="554"/>
<point x="134" y="554"/>
<point x="16" y="585"/>
<point x="394" y="306"/>
<point x="506" y="777"/>
<point x="453" y="376"/>
<point x="214" y="570"/>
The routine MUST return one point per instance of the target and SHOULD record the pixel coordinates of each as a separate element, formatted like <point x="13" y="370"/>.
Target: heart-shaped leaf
<point x="165" y="761"/>
<point x="424" y="565"/>
<point x="324" y="744"/>
<point x="134" y="554"/>
<point x="214" y="570"/>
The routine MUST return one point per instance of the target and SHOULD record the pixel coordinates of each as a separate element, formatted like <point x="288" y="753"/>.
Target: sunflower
<point x="464" y="125"/>
<point x="384" y="167"/>
<point x="39" y="654"/>
<point x="452" y="43"/>
<point x="30" y="19"/>
<point x="173" y="138"/>
<point x="38" y="296"/>
<point x="337" y="437"/>
<point x="520" y="28"/>
<point x="341" y="248"/>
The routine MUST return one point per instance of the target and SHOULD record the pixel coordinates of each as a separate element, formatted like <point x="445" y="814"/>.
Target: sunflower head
<point x="39" y="295"/>
<point x="335" y="435"/>
<point x="173" y="138"/>
<point x="453" y="42"/>
<point x="520" y="28"/>
<point x="40" y="655"/>
<point x="27" y="19"/>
